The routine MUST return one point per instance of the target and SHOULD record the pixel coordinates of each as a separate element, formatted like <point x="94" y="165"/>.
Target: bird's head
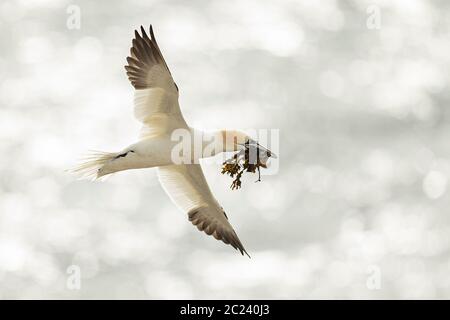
<point x="235" y="140"/>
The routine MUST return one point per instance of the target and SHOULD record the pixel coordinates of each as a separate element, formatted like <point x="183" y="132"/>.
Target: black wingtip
<point x="242" y="250"/>
<point x="152" y="35"/>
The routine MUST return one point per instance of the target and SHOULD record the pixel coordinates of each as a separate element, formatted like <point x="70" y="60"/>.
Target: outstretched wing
<point x="187" y="187"/>
<point x="156" y="96"/>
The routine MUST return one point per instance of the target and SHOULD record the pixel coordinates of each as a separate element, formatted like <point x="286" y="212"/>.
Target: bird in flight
<point x="156" y="106"/>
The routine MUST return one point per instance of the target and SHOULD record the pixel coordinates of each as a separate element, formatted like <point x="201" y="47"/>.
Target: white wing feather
<point x="187" y="187"/>
<point x="158" y="110"/>
<point x="156" y="96"/>
<point x="157" y="107"/>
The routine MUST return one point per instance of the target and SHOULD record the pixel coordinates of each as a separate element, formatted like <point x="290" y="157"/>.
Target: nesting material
<point x="249" y="159"/>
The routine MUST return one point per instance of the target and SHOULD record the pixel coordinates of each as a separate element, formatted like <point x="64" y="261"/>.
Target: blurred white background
<point x="361" y="196"/>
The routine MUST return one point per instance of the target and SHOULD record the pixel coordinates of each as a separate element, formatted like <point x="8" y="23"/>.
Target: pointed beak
<point x="262" y="150"/>
<point x="268" y="153"/>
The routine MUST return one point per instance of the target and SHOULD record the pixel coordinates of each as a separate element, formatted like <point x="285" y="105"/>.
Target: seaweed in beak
<point x="251" y="158"/>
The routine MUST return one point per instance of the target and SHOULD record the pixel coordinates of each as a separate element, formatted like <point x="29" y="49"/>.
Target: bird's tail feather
<point x="91" y="163"/>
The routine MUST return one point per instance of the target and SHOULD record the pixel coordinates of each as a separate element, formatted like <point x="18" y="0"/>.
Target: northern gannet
<point x="156" y="106"/>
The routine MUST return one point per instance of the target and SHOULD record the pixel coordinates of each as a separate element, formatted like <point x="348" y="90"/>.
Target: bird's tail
<point x="91" y="164"/>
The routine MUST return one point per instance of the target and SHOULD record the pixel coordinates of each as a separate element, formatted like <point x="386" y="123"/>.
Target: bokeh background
<point x="362" y="187"/>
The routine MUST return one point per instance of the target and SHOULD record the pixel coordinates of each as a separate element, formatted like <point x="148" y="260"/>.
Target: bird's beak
<point x="261" y="150"/>
<point x="267" y="152"/>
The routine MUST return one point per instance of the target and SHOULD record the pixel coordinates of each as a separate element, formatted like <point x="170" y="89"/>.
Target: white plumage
<point x="156" y="106"/>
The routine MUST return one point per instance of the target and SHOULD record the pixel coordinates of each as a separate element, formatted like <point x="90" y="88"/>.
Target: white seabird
<point x="156" y="106"/>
